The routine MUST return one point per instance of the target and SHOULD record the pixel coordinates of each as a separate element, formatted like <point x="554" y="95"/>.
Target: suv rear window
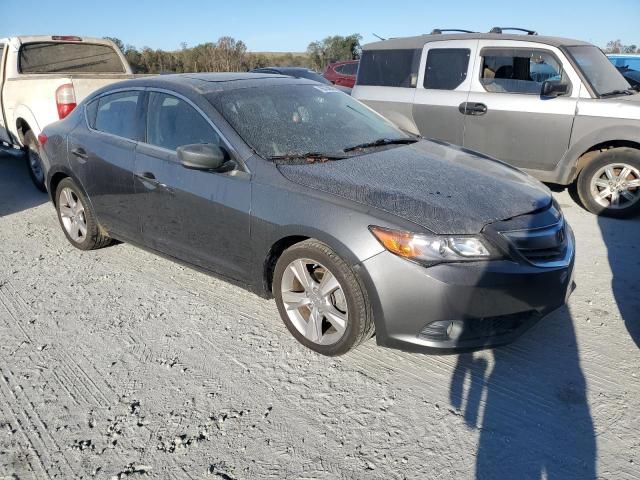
<point x="389" y="68"/>
<point x="55" y="57"/>
<point x="446" y="68"/>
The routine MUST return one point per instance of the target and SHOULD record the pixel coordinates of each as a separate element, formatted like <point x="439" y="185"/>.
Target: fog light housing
<point x="442" y="330"/>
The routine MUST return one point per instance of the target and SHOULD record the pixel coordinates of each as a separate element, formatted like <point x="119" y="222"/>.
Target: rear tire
<point x="77" y="219"/>
<point x="34" y="162"/>
<point x="334" y="293"/>
<point x="610" y="184"/>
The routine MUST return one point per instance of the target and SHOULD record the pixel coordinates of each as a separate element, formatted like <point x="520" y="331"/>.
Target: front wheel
<point x="610" y="184"/>
<point x="321" y="300"/>
<point x="34" y="162"/>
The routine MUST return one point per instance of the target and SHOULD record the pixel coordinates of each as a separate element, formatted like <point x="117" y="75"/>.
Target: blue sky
<point x="290" y="25"/>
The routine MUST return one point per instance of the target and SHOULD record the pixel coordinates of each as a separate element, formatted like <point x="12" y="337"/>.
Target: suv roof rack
<point x="438" y="31"/>
<point x="501" y="29"/>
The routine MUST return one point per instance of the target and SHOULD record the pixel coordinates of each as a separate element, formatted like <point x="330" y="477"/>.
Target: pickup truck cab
<point x="42" y="78"/>
<point x="553" y="107"/>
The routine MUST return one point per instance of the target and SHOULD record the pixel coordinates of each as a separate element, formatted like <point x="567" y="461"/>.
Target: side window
<point x="518" y="70"/>
<point x="389" y="68"/>
<point x="117" y="114"/>
<point x="172" y="122"/>
<point x="446" y="68"/>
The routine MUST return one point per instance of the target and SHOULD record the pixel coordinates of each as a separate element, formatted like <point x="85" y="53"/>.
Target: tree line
<point x="616" y="46"/>
<point x="231" y="55"/>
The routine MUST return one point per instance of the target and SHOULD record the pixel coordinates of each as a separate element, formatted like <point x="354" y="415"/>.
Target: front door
<point x="102" y="156"/>
<point x="443" y="86"/>
<point x="197" y="216"/>
<point x="507" y="118"/>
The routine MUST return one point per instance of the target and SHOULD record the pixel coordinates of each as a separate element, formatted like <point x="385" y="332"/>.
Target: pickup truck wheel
<point x="320" y="299"/>
<point x="610" y="184"/>
<point x="34" y="162"/>
<point x="77" y="219"/>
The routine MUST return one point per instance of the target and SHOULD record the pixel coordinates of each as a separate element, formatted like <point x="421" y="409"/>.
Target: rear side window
<point x="389" y="68"/>
<point x="518" y="70"/>
<point x="172" y="122"/>
<point x="60" y="57"/>
<point x="116" y="114"/>
<point x="446" y="68"/>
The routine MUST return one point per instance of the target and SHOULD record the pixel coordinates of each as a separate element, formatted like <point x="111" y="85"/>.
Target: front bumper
<point x="475" y="304"/>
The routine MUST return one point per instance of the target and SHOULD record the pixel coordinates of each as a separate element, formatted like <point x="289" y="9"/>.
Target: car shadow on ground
<point x="17" y="192"/>
<point x="528" y="401"/>
<point x="622" y="238"/>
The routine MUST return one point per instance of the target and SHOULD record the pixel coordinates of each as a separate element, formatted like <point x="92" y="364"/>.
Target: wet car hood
<point x="445" y="189"/>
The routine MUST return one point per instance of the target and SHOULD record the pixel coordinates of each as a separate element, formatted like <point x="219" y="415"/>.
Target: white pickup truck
<point x="42" y="78"/>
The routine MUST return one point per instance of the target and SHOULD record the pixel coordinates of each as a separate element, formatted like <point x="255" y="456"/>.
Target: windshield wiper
<point x="309" y="155"/>
<point x="617" y="92"/>
<point x="380" y="142"/>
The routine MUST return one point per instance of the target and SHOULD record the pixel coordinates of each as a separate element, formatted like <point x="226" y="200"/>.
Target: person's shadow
<point x="623" y="252"/>
<point x="17" y="191"/>
<point x="528" y="400"/>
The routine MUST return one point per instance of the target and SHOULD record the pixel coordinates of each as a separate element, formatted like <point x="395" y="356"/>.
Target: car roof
<point x="419" y="41"/>
<point x="207" y="83"/>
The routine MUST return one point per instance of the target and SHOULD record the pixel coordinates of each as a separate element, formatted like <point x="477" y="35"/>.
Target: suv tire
<point x="610" y="184"/>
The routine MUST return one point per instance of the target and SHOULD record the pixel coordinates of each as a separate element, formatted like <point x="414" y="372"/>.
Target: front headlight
<point x="433" y="249"/>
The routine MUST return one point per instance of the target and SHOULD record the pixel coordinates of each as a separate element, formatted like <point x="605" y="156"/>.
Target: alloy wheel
<point x="616" y="186"/>
<point x="72" y="214"/>
<point x="314" y="301"/>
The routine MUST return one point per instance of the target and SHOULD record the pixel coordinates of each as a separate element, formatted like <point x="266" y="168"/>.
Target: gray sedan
<point x="297" y="191"/>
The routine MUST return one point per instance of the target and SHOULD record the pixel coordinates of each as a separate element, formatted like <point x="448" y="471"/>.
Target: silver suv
<point x="554" y="107"/>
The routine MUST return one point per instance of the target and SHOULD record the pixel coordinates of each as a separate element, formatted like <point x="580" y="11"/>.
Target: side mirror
<point x="203" y="156"/>
<point x="554" y="88"/>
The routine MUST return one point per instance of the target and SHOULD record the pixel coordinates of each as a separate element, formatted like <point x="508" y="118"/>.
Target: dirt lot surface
<point x="118" y="364"/>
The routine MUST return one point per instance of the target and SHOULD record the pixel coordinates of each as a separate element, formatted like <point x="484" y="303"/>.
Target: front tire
<point x="610" y="184"/>
<point x="34" y="162"/>
<point x="321" y="300"/>
<point x="77" y="219"/>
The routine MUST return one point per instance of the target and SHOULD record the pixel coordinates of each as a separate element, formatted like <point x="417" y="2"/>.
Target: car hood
<point x="443" y="188"/>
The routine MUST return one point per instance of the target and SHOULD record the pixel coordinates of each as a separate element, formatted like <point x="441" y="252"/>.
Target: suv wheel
<point x="320" y="299"/>
<point x="610" y="184"/>
<point x="34" y="162"/>
<point x="77" y="219"/>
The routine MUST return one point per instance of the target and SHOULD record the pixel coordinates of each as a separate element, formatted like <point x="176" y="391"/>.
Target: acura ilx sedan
<point x="297" y="191"/>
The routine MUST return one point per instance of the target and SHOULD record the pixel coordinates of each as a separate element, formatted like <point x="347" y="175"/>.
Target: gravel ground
<point x="119" y="364"/>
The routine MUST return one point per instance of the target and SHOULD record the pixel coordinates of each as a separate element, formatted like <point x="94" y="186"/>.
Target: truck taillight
<point x="65" y="100"/>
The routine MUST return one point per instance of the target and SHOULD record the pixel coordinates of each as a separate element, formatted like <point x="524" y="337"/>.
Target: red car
<point x="342" y="73"/>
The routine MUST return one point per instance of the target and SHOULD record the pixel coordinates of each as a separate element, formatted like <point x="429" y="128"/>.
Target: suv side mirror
<point x="203" y="156"/>
<point x="554" y="88"/>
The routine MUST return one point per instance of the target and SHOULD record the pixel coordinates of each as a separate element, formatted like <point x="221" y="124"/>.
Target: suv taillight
<point x="65" y="100"/>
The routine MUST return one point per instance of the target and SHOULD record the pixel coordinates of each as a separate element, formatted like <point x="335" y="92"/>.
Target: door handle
<point x="472" y="108"/>
<point x="80" y="153"/>
<point x="149" y="177"/>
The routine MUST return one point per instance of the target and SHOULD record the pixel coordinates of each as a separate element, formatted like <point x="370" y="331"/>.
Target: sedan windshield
<point x="303" y="120"/>
<point x="603" y="77"/>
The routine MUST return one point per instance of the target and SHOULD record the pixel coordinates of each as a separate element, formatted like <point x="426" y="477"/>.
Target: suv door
<point x="101" y="154"/>
<point x="443" y="85"/>
<point x="198" y="216"/>
<point x="506" y="116"/>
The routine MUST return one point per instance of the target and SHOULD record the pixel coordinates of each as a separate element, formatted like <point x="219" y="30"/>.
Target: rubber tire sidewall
<point x="359" y="323"/>
<point x="629" y="156"/>
<point x="93" y="239"/>
<point x="31" y="143"/>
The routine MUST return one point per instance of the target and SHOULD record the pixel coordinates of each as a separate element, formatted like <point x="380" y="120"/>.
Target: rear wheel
<point x="77" y="219"/>
<point x="320" y="299"/>
<point x="610" y="184"/>
<point x="34" y="162"/>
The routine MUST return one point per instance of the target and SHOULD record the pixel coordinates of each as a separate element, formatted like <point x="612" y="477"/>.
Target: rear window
<point x="389" y="68"/>
<point x="60" y="57"/>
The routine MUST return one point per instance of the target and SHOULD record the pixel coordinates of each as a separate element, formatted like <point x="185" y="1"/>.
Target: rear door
<point x="4" y="134"/>
<point x="443" y="87"/>
<point x="101" y="153"/>
<point x="507" y="117"/>
<point x="198" y="216"/>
